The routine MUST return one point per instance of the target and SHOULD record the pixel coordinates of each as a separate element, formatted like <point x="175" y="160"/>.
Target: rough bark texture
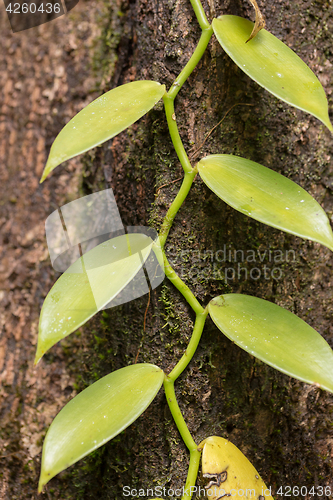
<point x="283" y="426"/>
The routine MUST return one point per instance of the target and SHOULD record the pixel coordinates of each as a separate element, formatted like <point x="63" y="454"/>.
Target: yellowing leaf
<point x="276" y="336"/>
<point x="102" y="119"/>
<point x="97" y="415"/>
<point x="266" y="196"/>
<point x="88" y="285"/>
<point x="229" y="472"/>
<point x="273" y="65"/>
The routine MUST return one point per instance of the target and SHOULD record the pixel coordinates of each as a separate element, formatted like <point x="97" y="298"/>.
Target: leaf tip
<point x="327" y="239"/>
<point x="324" y="118"/>
<point x="46" y="172"/>
<point x="43" y="480"/>
<point x="39" y="354"/>
<point x="53" y="161"/>
<point x="42" y="179"/>
<point x="41" y="485"/>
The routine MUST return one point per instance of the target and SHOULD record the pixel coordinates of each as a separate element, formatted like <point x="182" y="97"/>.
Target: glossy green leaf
<point x="272" y="65"/>
<point x="266" y="196"/>
<point x="88" y="285"/>
<point x="229" y="472"/>
<point x="276" y="336"/>
<point x="102" y="119"/>
<point x="97" y="415"/>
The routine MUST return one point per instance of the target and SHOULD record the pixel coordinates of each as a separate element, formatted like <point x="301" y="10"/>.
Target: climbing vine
<point x="263" y="329"/>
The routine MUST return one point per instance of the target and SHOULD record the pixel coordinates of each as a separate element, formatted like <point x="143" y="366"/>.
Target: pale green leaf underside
<point x="266" y="196"/>
<point x="276" y="336"/>
<point x="273" y="65"/>
<point x="97" y="415"/>
<point x="102" y="119"/>
<point x="88" y="285"/>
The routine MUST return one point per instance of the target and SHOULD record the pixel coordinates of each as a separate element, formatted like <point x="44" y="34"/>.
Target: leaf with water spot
<point x="276" y="336"/>
<point x="97" y="415"/>
<point x="266" y="196"/>
<point x="229" y="472"/>
<point x="102" y="119"/>
<point x="88" y="285"/>
<point x="273" y="65"/>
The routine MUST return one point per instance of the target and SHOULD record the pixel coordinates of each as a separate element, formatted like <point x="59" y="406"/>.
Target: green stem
<point x="169" y="98"/>
<point x="200" y="14"/>
<point x="175" y="205"/>
<point x="192" y="474"/>
<point x="175" y="410"/>
<point x="174" y="133"/>
<point x="176" y="413"/>
<point x="201" y="313"/>
<point x="193" y="62"/>
<point x="180" y="285"/>
<point x="192" y="346"/>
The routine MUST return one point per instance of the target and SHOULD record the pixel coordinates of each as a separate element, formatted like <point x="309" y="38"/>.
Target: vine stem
<point x="193" y="62"/>
<point x="177" y="415"/>
<point x="178" y="369"/>
<point x="192" y="474"/>
<point x="200" y="312"/>
<point x="200" y="14"/>
<point x="170" y="394"/>
<point x="182" y="287"/>
<point x="192" y="346"/>
<point x="170" y="96"/>
<point x="175" y="205"/>
<point x="169" y="388"/>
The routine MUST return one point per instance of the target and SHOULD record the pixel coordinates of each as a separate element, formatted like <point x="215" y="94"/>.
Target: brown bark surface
<point x="48" y="74"/>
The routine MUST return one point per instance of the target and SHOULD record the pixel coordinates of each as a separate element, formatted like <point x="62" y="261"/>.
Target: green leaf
<point x="266" y="196"/>
<point x="102" y="119"/>
<point x="97" y="415"/>
<point x="276" y="336"/>
<point x="88" y="285"/>
<point x="274" y="66"/>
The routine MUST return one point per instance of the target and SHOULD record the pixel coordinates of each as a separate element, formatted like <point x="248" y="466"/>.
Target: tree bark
<point x="283" y="426"/>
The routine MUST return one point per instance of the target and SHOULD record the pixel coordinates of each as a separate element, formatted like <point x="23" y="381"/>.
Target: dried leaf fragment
<point x="260" y="21"/>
